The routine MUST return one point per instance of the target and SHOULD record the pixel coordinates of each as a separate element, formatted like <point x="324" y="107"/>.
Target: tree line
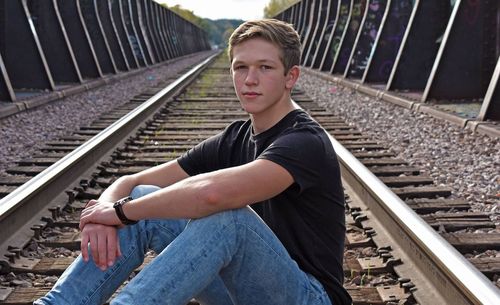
<point x="219" y="30"/>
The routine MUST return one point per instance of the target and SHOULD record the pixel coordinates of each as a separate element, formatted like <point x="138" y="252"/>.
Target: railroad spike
<point x="11" y="257"/>
<point x="385" y="257"/>
<point x="48" y="220"/>
<point x="92" y="182"/>
<point x="37" y="231"/>
<point x="403" y="280"/>
<point x="54" y="211"/>
<point x="84" y="183"/>
<point x="370" y="232"/>
<point x="4" y="267"/>
<point x="355" y="213"/>
<point x="71" y="196"/>
<point x="358" y="219"/>
<point x="381" y="251"/>
<point x="408" y="286"/>
<point x="16" y="251"/>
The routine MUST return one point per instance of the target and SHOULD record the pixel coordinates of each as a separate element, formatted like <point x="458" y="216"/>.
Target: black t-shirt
<point x="308" y="217"/>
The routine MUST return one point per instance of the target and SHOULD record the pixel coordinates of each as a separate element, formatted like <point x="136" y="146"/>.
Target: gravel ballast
<point x="24" y="133"/>
<point x="469" y="163"/>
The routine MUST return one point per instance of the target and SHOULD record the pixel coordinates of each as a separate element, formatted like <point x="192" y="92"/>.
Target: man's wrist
<point x="118" y="205"/>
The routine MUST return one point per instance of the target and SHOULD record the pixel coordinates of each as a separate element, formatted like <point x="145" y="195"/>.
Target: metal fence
<point x="49" y="44"/>
<point x="437" y="51"/>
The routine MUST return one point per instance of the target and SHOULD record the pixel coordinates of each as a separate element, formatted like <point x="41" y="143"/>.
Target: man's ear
<point x="292" y="76"/>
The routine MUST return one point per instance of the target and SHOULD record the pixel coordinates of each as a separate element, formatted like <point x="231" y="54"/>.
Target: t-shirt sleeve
<point x="202" y="158"/>
<point x="207" y="155"/>
<point x="301" y="153"/>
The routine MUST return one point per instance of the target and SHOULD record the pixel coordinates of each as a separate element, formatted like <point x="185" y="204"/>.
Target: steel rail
<point x="455" y="279"/>
<point x="29" y="200"/>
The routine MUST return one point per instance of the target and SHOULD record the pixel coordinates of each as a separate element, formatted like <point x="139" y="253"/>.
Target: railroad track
<point x="386" y="262"/>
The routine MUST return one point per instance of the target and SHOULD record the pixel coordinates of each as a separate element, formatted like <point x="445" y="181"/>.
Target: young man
<point x="286" y="249"/>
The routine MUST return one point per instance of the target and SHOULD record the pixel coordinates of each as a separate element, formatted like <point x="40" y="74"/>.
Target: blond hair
<point x="280" y="33"/>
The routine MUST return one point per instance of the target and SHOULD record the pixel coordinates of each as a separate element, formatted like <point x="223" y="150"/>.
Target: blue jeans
<point x="231" y="257"/>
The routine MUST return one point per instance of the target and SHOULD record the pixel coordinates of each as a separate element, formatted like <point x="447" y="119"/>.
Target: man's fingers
<point x="112" y="248"/>
<point x="83" y="219"/>
<point x="84" y="246"/>
<point x="103" y="243"/>
<point x="90" y="203"/>
<point x="93" y="249"/>
<point x="102" y="249"/>
<point x="118" y="250"/>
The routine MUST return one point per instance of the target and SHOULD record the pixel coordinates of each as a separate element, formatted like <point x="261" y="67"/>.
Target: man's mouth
<point x="251" y="94"/>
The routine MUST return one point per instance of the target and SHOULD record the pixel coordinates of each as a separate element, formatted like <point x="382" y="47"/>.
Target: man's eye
<point x="264" y="67"/>
<point x="239" y="67"/>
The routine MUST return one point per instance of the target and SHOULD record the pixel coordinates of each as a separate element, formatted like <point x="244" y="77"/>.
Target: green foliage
<point x="276" y="6"/>
<point x="218" y="30"/>
<point x="224" y="29"/>
<point x="186" y="14"/>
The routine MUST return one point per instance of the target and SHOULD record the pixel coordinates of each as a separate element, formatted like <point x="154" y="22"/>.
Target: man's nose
<point x="251" y="77"/>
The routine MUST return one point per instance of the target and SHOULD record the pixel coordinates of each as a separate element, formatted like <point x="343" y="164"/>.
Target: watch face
<point x="123" y="200"/>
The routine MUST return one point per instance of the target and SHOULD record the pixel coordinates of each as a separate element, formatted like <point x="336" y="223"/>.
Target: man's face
<point x="259" y="76"/>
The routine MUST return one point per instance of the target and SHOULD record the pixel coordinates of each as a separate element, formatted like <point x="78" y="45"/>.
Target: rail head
<point x="469" y="284"/>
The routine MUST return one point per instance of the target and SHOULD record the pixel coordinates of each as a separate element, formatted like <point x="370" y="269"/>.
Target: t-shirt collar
<point x="276" y="128"/>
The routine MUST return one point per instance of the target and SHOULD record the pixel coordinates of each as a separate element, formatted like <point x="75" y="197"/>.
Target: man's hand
<point x="91" y="202"/>
<point x="104" y="244"/>
<point x="102" y="213"/>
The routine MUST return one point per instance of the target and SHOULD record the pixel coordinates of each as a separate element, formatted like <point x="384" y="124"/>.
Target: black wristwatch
<point x="118" y="205"/>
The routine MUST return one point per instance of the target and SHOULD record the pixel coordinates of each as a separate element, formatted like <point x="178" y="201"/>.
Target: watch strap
<point x="118" y="205"/>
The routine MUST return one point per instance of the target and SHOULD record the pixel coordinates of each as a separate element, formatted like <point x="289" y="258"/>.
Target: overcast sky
<point x="223" y="9"/>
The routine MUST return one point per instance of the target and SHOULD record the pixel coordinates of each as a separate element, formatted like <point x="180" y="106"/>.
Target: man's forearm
<point x="162" y="175"/>
<point x="196" y="196"/>
<point x="189" y="198"/>
<point x="118" y="189"/>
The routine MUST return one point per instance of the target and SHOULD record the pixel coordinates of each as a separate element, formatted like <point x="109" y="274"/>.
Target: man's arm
<point x="202" y="195"/>
<point x="162" y="175"/>
<point x="103" y="239"/>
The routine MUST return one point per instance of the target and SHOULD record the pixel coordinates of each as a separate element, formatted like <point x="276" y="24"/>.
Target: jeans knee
<point x="227" y="218"/>
<point x="143" y="190"/>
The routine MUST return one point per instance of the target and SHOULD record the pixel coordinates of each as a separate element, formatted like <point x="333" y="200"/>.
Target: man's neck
<point x="262" y="122"/>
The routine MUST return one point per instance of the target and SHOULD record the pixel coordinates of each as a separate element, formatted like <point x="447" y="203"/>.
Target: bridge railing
<point x="46" y="45"/>
<point x="442" y="51"/>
